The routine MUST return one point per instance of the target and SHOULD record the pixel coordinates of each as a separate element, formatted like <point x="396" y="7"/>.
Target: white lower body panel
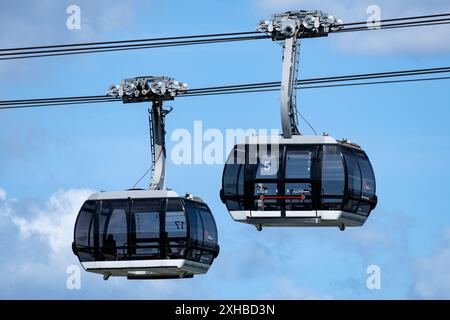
<point x="147" y="268"/>
<point x="301" y="214"/>
<point x="324" y="218"/>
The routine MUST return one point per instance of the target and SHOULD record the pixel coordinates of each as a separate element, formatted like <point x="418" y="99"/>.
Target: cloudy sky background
<point x="52" y="159"/>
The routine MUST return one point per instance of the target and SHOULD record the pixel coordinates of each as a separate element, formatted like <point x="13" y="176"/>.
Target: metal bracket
<point x="147" y="89"/>
<point x="155" y="90"/>
<point x="299" y="24"/>
<point x="290" y="27"/>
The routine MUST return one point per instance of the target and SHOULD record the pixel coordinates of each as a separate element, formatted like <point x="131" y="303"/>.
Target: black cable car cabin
<point x="301" y="181"/>
<point x="145" y="234"/>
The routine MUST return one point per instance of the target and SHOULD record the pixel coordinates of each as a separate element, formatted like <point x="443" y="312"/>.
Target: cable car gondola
<point x="146" y="234"/>
<point x="301" y="181"/>
<point x="297" y="180"/>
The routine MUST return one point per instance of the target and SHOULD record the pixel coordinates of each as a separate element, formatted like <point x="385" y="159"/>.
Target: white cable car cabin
<point x="145" y="234"/>
<point x="300" y="181"/>
<point x="297" y="180"/>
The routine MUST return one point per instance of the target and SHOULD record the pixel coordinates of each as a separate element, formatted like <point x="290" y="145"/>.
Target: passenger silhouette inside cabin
<point x="110" y="246"/>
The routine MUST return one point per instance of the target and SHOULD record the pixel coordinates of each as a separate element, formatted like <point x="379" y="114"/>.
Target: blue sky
<point x="52" y="158"/>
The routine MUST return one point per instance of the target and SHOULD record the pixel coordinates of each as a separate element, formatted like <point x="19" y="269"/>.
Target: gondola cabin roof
<point x="140" y="194"/>
<point x="296" y="139"/>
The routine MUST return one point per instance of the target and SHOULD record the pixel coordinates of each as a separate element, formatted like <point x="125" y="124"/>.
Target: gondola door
<point x="111" y="225"/>
<point x="263" y="180"/>
<point x="146" y="219"/>
<point x="299" y="183"/>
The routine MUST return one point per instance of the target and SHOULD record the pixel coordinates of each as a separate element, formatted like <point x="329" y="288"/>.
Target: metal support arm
<point x="158" y="145"/>
<point x="288" y="101"/>
<point x="155" y="90"/>
<point x="290" y="27"/>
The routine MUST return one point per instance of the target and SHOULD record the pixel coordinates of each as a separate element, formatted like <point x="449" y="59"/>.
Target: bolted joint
<point x="144" y="89"/>
<point x="300" y="24"/>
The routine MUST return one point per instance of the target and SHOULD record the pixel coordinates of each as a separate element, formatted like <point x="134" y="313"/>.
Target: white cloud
<point x="37" y="241"/>
<point x="425" y="40"/>
<point x="55" y="222"/>
<point x="2" y="194"/>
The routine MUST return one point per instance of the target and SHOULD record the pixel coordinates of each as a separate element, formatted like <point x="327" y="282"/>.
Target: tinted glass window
<point x="230" y="179"/>
<point x="175" y="219"/>
<point x="233" y="178"/>
<point x="146" y="215"/>
<point x="298" y="164"/>
<point x="331" y="204"/>
<point x="264" y="174"/>
<point x="206" y="257"/>
<point x="298" y="196"/>
<point x="368" y="177"/>
<point x="236" y="191"/>
<point x="268" y="164"/>
<point x="176" y="228"/>
<point x="233" y="205"/>
<point x="194" y="254"/>
<point x="354" y="175"/>
<point x="240" y="182"/>
<point x="195" y="223"/>
<point x="209" y="225"/>
<point x="351" y="205"/>
<point x="113" y="229"/>
<point x="266" y="196"/>
<point x="333" y="172"/>
<point x="266" y="189"/>
<point x="363" y="208"/>
<point x="298" y="189"/>
<point x="146" y="218"/>
<point x="84" y="230"/>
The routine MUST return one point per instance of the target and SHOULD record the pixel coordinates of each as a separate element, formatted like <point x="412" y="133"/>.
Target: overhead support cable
<point x="312" y="83"/>
<point x="399" y="19"/>
<point x="355" y="77"/>
<point x="164" y="42"/>
<point x="268" y="89"/>
<point x="113" y="48"/>
<point x="83" y="44"/>
<point x="397" y="25"/>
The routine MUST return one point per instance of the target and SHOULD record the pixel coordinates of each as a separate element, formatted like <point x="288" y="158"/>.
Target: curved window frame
<point x="200" y="252"/>
<point x="352" y="202"/>
<point x="235" y="200"/>
<point x="89" y="250"/>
